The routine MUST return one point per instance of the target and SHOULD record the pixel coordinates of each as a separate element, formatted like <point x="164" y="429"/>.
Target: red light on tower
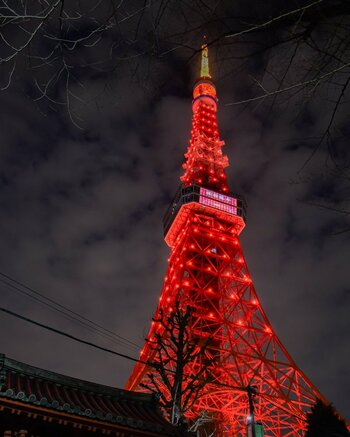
<point x="201" y="228"/>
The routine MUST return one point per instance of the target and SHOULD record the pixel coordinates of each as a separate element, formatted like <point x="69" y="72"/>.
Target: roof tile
<point x="40" y="387"/>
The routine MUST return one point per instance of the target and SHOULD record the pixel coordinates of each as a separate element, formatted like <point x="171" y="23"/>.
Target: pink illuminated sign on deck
<point x="218" y="201"/>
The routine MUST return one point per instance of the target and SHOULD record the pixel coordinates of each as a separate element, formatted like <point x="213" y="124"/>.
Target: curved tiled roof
<point x="37" y="387"/>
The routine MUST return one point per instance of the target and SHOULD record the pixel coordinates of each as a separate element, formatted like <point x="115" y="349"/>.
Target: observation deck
<point x="230" y="208"/>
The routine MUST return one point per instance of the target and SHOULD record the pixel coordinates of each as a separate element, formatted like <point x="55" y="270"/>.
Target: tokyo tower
<point x="255" y="388"/>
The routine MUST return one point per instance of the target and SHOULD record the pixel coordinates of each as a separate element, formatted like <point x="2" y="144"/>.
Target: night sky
<point x="81" y="205"/>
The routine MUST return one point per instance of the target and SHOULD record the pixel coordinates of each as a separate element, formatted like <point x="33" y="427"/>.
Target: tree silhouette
<point x="324" y="421"/>
<point x="175" y="348"/>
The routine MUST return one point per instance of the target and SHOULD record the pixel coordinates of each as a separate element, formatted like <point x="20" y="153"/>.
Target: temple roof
<point x="40" y="388"/>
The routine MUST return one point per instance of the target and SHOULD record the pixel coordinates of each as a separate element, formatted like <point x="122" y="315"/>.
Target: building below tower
<point x="40" y="403"/>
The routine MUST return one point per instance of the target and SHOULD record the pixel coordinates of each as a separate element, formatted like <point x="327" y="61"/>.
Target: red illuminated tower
<point x="254" y="376"/>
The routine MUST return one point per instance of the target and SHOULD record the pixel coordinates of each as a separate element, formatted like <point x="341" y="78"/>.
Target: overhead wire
<point x="68" y="316"/>
<point x="113" y="352"/>
<point x="67" y="312"/>
<point x="66" y="334"/>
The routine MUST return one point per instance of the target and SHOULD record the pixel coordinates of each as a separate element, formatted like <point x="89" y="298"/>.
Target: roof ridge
<point x="15" y="366"/>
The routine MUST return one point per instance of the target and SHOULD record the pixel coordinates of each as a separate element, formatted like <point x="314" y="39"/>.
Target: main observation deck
<point x="230" y="208"/>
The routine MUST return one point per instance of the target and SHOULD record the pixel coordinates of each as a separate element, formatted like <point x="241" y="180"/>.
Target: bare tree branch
<point x="275" y="19"/>
<point x="176" y="349"/>
<point x="316" y="81"/>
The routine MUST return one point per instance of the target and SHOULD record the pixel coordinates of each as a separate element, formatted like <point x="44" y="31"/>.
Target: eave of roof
<point x="41" y="388"/>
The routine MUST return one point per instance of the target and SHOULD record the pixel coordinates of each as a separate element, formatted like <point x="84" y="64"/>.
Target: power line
<point x="110" y="351"/>
<point x="80" y="340"/>
<point x="72" y="337"/>
<point x="67" y="312"/>
<point x="112" y="336"/>
<point x="66" y="315"/>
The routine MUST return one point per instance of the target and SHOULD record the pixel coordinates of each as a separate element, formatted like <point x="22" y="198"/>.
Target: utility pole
<point x="251" y="391"/>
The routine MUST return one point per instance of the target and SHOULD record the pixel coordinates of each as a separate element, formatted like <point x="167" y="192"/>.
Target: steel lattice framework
<point x="207" y="271"/>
